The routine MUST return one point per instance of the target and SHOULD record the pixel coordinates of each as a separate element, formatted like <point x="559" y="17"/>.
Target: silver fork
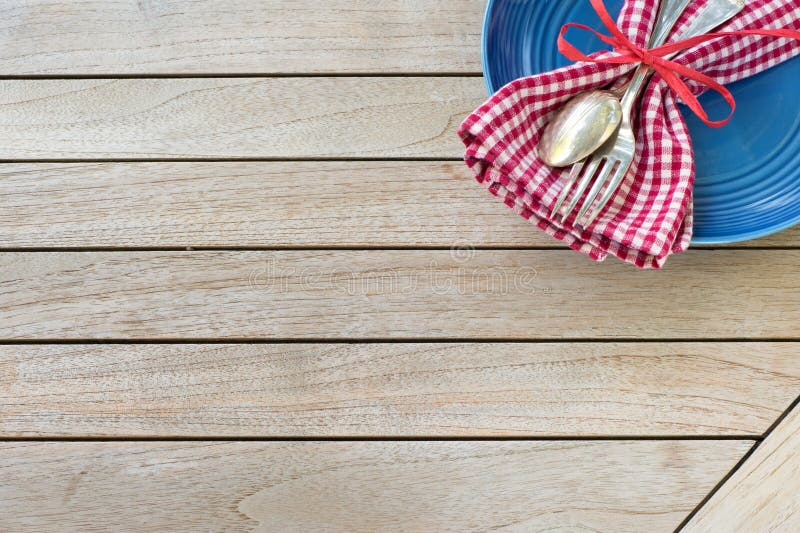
<point x="614" y="158"/>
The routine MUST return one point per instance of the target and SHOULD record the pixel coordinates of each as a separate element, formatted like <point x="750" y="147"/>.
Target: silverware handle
<point x="640" y="77"/>
<point x="714" y="13"/>
<point x="669" y="11"/>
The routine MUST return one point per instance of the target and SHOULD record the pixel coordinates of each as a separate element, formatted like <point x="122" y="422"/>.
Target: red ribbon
<point x="672" y="72"/>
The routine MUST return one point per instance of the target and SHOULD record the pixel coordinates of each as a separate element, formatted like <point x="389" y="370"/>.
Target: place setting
<point x="642" y="127"/>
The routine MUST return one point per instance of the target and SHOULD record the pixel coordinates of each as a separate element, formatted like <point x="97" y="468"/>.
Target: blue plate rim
<point x="742" y="237"/>
<point x="484" y="45"/>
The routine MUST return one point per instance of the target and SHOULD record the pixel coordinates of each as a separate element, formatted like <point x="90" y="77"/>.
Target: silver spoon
<point x="590" y="118"/>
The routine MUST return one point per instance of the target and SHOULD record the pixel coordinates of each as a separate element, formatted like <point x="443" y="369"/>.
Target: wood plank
<point x="375" y="203"/>
<point x="764" y="494"/>
<point x="58" y="37"/>
<point x="369" y="390"/>
<point x="357" y="486"/>
<point x="241" y="203"/>
<point x="235" y="117"/>
<point x="396" y="294"/>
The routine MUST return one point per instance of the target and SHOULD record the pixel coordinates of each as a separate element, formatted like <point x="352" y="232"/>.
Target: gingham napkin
<point x="650" y="217"/>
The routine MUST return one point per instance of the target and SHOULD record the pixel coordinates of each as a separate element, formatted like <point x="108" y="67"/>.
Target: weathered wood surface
<point x="98" y="37"/>
<point x="271" y="204"/>
<point x="764" y="494"/>
<point x="455" y="389"/>
<point x="397" y="294"/>
<point x="358" y="486"/>
<point x="373" y="390"/>
<point x="235" y="117"/>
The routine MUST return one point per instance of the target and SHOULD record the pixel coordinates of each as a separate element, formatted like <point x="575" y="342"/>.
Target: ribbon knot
<point x="673" y="73"/>
<point x="645" y="56"/>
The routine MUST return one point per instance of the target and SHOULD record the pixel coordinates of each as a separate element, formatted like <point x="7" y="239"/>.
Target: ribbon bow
<point x="626" y="52"/>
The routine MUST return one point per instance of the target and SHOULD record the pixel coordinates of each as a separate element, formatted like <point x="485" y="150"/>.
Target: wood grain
<point x="239" y="36"/>
<point x="397" y="294"/>
<point x="373" y="390"/>
<point x="235" y="117"/>
<point x="329" y="203"/>
<point x="764" y="494"/>
<point x="358" y="486"/>
<point x="240" y="203"/>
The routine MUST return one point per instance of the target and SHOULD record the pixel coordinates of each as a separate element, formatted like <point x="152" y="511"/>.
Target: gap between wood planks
<point x="397" y="340"/>
<point x="555" y="246"/>
<point x="391" y="438"/>
<point x="739" y="465"/>
<point x="243" y="159"/>
<point x="365" y="74"/>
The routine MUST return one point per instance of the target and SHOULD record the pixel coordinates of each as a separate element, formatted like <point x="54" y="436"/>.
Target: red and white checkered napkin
<point x="650" y="217"/>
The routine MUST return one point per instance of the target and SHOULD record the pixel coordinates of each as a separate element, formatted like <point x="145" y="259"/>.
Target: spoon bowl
<point x="580" y="127"/>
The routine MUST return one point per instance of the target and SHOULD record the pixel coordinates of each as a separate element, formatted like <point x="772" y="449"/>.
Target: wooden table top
<point x="247" y="284"/>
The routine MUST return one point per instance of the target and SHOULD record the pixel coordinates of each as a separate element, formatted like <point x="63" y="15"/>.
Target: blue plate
<point x="748" y="173"/>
